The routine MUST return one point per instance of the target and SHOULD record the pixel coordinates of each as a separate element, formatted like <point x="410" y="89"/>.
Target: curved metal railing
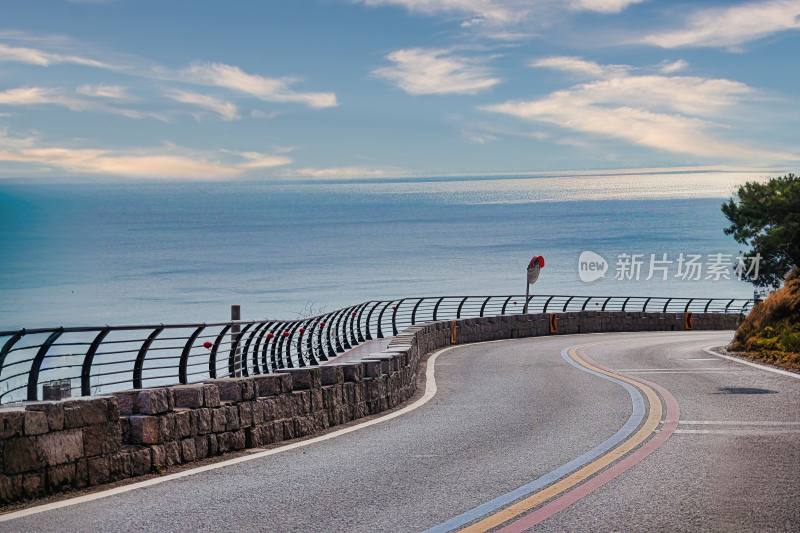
<point x="109" y="358"/>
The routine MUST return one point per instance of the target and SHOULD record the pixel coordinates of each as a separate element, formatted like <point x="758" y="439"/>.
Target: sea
<point x="92" y="253"/>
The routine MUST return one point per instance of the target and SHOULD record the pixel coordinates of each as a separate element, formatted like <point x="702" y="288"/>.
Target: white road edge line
<point x="430" y="392"/>
<point x="709" y="350"/>
<point x="737" y="423"/>
<point x="743" y="432"/>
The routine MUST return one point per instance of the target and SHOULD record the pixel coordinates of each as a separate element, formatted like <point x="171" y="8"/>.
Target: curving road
<point x="628" y="431"/>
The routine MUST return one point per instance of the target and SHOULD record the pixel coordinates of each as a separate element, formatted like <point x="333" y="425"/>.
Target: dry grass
<point x="771" y="332"/>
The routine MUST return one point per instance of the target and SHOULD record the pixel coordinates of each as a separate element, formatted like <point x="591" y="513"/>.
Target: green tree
<point x="766" y="217"/>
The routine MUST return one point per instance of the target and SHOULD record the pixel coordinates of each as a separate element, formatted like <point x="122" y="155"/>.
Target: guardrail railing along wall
<point x="110" y="358"/>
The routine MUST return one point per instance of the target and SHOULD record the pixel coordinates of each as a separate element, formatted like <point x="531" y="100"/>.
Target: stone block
<point x="61" y="447"/>
<point x="10" y="488"/>
<point x="60" y="477"/>
<point x="33" y="484"/>
<point x="266" y="410"/>
<point x="12" y="422"/>
<point x="285" y="406"/>
<point x="202" y="420"/>
<point x="372" y="368"/>
<point x="89" y="411"/>
<point x="305" y="378"/>
<point x="211" y="396"/>
<point x="21" y="454"/>
<point x="332" y="374"/>
<point x="231" y="441"/>
<point x="102" y="439"/>
<point x="271" y="384"/>
<point x="316" y="399"/>
<point x="277" y="430"/>
<point x="167" y="427"/>
<point x="246" y="413"/>
<point x="126" y="400"/>
<point x="99" y="470"/>
<point x="249" y="388"/>
<point x="82" y="473"/>
<point x="35" y="423"/>
<point x="167" y="454"/>
<point x="201" y="446"/>
<point x="153" y="401"/>
<point x="54" y="411"/>
<point x="219" y="419"/>
<point x="230" y="389"/>
<point x="189" y="396"/>
<point x="188" y="450"/>
<point x="231" y="418"/>
<point x="302" y="402"/>
<point x="288" y="428"/>
<point x="213" y="445"/>
<point x="143" y="430"/>
<point x="185" y="424"/>
<point x="141" y="461"/>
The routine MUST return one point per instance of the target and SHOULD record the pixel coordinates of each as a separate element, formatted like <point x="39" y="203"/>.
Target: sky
<point x="323" y="89"/>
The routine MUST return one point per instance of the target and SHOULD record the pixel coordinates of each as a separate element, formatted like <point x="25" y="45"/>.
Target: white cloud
<point x="671" y="67"/>
<point x="730" y="26"/>
<point x="344" y="172"/>
<point x="168" y="162"/>
<point x="112" y="92"/>
<point x="34" y="96"/>
<point x="226" y="110"/>
<point x="503" y="19"/>
<point x="35" y="56"/>
<point x="436" y="71"/>
<point x="262" y="87"/>
<point x="668" y="113"/>
<point x="259" y="160"/>
<point x="603" y="6"/>
<point x="579" y="65"/>
<point x="38" y="96"/>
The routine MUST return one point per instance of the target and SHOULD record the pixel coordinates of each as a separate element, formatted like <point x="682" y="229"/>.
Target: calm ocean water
<point x="90" y="254"/>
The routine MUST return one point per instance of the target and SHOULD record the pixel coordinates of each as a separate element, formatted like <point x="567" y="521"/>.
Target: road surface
<point x="669" y="438"/>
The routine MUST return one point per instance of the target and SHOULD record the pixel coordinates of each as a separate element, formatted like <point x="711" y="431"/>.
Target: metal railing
<point x="109" y="358"/>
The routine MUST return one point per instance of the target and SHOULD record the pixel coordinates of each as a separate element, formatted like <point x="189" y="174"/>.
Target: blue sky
<point x="202" y="90"/>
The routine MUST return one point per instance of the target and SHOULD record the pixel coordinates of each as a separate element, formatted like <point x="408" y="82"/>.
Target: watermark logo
<point x="685" y="267"/>
<point x="591" y="266"/>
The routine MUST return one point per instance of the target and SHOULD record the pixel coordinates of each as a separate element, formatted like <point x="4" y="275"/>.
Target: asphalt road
<point x="506" y="414"/>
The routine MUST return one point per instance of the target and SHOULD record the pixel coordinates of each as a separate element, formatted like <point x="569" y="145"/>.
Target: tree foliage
<point x="766" y="217"/>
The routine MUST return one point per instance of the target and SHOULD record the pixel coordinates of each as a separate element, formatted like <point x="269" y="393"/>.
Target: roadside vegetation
<point x="766" y="217"/>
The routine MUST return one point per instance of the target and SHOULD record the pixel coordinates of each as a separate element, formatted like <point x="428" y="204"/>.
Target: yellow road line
<point x="647" y="429"/>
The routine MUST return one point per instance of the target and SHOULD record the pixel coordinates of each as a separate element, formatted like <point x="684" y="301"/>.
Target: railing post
<point x="212" y="355"/>
<point x="183" y="364"/>
<point x="257" y="347"/>
<point x="138" y="365"/>
<point x="483" y="305"/>
<point x="246" y="350"/>
<point x="235" y="356"/>
<point x="86" y="367"/>
<point x="436" y="308"/>
<point x="36" y="365"/>
<point x="460" y="305"/>
<point x="505" y="304"/>
<point x="394" y="316"/>
<point x="380" y="319"/>
<point x="368" y="336"/>
<point x="414" y="311"/>
<point x="359" y="332"/>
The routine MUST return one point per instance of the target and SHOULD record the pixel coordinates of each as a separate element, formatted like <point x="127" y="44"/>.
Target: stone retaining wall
<point x="48" y="447"/>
